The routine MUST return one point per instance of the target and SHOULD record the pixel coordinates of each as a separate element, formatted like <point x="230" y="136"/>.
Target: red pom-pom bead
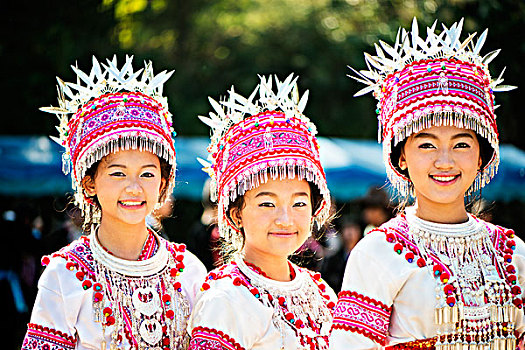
<point x="110" y="320"/>
<point x="508" y="258"/>
<point x="518" y="303"/>
<point x="45" y="261"/>
<point x="166" y="341"/>
<point x="166" y="298"/>
<point x="80" y="275"/>
<point x="390" y="237"/>
<point x="511" y="269"/>
<point x="444" y="277"/>
<point x="176" y="285"/>
<point x="107" y="311"/>
<point x="317" y="276"/>
<point x="205" y="286"/>
<point x="516" y="290"/>
<point x="410" y="257"/>
<point x="511" y="244"/>
<point x="331" y="305"/>
<point x="237" y="281"/>
<point x="86" y="284"/>
<point x="288" y="316"/>
<point x="179" y="258"/>
<point x="282" y="301"/>
<point x="298" y="323"/>
<point x="173" y="272"/>
<point x="451" y="301"/>
<point x="448" y="289"/>
<point x="170" y="314"/>
<point x="398" y="248"/>
<point x="98" y="296"/>
<point x="437" y="270"/>
<point x="421" y="262"/>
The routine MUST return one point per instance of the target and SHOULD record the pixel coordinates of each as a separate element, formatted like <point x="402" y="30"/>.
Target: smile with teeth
<point x="444" y="178"/>
<point x="131" y="203"/>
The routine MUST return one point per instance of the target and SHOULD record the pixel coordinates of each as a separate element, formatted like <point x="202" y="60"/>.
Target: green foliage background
<point x="215" y="44"/>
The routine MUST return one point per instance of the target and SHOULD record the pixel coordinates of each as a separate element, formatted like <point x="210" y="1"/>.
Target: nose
<point x="284" y="218"/>
<point x="444" y="159"/>
<point x="134" y="187"/>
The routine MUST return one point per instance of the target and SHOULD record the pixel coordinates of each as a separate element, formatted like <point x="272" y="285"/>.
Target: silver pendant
<point x="146" y="300"/>
<point x="150" y="331"/>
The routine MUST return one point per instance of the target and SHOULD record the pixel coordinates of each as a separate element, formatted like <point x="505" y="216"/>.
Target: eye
<point x="117" y="174"/>
<point x="147" y="174"/>
<point x="426" y="145"/>
<point x="462" y="145"/>
<point x="266" y="205"/>
<point x="300" y="204"/>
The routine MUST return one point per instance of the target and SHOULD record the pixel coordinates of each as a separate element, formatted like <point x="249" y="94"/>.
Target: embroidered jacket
<point x="235" y="312"/>
<point x="63" y="314"/>
<point x="388" y="294"/>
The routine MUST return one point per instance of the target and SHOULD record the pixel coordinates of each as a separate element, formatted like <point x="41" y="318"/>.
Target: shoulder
<point x="227" y="291"/>
<point x="389" y="240"/>
<point x="74" y="261"/>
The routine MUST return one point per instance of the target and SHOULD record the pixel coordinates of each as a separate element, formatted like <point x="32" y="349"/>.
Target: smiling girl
<point x="121" y="285"/>
<point x="272" y="194"/>
<point x="435" y="276"/>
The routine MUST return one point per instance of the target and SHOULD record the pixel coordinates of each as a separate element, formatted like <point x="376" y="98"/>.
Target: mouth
<point x="283" y="234"/>
<point x="445" y="179"/>
<point x="132" y="204"/>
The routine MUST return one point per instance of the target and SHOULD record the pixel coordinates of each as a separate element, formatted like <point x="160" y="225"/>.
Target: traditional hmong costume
<point x="240" y="307"/>
<point x="415" y="284"/>
<point x="88" y="298"/>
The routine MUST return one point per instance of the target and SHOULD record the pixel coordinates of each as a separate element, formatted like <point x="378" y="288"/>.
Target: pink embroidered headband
<point x="254" y="141"/>
<point x="113" y="112"/>
<point x="432" y="82"/>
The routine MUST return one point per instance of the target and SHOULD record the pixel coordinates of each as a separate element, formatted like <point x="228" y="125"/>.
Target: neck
<point x="442" y="213"/>
<point x="123" y="242"/>
<point x="276" y="268"/>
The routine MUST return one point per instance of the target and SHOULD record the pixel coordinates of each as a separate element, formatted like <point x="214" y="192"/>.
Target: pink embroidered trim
<point x="355" y="312"/>
<point x="39" y="337"/>
<point x="204" y="338"/>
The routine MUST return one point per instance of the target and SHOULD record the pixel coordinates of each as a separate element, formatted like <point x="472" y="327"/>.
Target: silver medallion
<point x="146" y="300"/>
<point x="151" y="331"/>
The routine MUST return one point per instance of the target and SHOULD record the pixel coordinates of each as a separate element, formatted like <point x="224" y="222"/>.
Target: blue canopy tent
<point x="31" y="166"/>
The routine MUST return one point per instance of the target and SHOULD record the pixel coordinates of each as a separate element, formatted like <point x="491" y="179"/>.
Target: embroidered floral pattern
<point x="204" y="338"/>
<point x="39" y="337"/>
<point x="358" y="313"/>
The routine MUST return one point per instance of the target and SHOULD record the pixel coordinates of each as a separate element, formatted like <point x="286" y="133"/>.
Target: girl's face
<point x="276" y="218"/>
<point x="442" y="163"/>
<point x="127" y="185"/>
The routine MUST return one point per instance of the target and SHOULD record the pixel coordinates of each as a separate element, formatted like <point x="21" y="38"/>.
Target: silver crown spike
<point x="409" y="47"/>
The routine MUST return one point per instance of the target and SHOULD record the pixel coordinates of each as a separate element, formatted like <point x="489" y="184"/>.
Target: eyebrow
<point x="271" y="194"/>
<point x="123" y="166"/>
<point x="432" y="136"/>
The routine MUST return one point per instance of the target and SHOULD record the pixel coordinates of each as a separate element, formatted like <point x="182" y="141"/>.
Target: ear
<point x="88" y="184"/>
<point x="480" y="162"/>
<point x="236" y="217"/>
<point x="162" y="189"/>
<point x="402" y="163"/>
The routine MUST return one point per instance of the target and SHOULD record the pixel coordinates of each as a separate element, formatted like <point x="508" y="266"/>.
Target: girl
<point x="435" y="276"/>
<point x="121" y="285"/>
<point x="272" y="193"/>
